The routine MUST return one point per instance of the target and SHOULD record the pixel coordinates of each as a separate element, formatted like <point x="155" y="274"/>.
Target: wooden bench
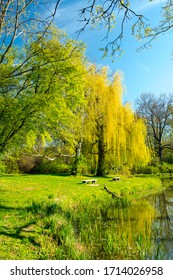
<point x="93" y="181"/>
<point x="116" y="179"/>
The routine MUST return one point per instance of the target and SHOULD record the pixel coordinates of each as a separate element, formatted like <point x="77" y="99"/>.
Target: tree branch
<point x="111" y="193"/>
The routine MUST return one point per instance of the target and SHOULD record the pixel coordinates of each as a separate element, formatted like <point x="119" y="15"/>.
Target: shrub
<point x="155" y="169"/>
<point x="83" y="167"/>
<point x="27" y="163"/>
<point x="148" y="169"/>
<point x="80" y="166"/>
<point x="166" y="168"/>
<point x="10" y="164"/>
<point x="2" y="168"/>
<point x="51" y="167"/>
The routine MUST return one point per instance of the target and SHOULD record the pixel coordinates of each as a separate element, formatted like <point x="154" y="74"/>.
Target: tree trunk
<point x="101" y="155"/>
<point x="75" y="166"/>
<point x="160" y="152"/>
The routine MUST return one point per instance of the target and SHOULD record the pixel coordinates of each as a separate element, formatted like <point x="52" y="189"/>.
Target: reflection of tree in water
<point x="164" y="216"/>
<point x="140" y="230"/>
<point x="131" y="227"/>
<point x="163" y="226"/>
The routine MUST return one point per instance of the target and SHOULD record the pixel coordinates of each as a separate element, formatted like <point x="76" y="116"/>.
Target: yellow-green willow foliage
<point x="135" y="152"/>
<point x="116" y="137"/>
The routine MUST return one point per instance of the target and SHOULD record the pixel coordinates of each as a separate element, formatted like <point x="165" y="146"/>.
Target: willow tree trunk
<point x="101" y="154"/>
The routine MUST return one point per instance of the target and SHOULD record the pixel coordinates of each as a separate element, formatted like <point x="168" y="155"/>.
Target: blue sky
<point x="150" y="70"/>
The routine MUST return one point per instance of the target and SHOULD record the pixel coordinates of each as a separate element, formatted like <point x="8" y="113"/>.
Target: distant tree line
<point x="157" y="112"/>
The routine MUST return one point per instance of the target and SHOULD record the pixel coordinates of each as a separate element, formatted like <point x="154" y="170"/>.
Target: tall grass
<point x="51" y="217"/>
<point x="90" y="231"/>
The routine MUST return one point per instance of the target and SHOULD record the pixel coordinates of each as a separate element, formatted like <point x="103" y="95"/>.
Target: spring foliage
<point x="53" y="105"/>
<point x="116" y="135"/>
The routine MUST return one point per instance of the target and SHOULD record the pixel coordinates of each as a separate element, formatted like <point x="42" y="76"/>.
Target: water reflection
<point x="162" y="227"/>
<point x="123" y="232"/>
<point x="142" y="230"/>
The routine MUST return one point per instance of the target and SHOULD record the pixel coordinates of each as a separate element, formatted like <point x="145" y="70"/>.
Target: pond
<point x="143" y="229"/>
<point x="162" y="225"/>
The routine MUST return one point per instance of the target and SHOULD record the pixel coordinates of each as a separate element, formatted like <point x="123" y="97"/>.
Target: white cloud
<point x="150" y="4"/>
<point x="143" y="67"/>
<point x="67" y="16"/>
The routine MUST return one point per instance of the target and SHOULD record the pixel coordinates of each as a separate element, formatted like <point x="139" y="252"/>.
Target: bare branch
<point x="105" y="14"/>
<point x="15" y="20"/>
<point x="49" y="158"/>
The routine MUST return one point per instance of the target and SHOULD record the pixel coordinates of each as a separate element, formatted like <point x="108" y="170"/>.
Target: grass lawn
<point x="54" y="217"/>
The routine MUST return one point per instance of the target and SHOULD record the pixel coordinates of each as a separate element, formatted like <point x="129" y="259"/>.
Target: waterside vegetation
<point x="55" y="217"/>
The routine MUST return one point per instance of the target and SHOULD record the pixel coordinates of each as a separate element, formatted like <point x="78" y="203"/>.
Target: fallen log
<point x="112" y="193"/>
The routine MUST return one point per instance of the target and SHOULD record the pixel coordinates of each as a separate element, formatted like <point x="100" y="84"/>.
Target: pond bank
<point x="55" y="217"/>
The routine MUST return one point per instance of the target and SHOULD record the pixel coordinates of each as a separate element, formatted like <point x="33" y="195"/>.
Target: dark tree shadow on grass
<point x="22" y="232"/>
<point x="3" y="207"/>
<point x="39" y="211"/>
<point x="17" y="233"/>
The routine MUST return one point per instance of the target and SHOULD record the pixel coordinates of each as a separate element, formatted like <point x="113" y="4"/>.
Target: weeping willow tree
<point x="115" y="136"/>
<point x="134" y="151"/>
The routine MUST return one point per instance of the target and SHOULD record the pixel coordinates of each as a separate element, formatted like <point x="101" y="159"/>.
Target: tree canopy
<point x="116" y="15"/>
<point x="21" y="19"/>
<point x="157" y="113"/>
<point x="44" y="87"/>
<point x="115" y="135"/>
<point x="54" y="103"/>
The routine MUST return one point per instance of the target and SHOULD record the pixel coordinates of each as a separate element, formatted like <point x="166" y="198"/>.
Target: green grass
<point x="58" y="217"/>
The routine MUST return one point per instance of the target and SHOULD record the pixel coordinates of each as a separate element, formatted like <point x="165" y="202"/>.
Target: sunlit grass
<point x="56" y="217"/>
